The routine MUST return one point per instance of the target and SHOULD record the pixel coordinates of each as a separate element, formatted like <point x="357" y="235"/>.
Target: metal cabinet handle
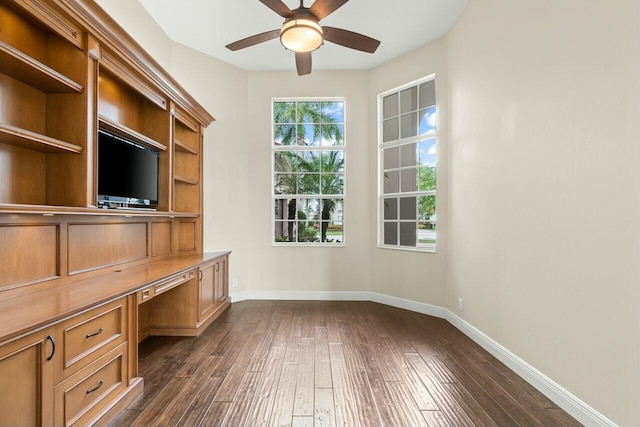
<point x="200" y="274"/>
<point x="101" y="330"/>
<point x="96" y="387"/>
<point x="217" y="266"/>
<point x="53" y="347"/>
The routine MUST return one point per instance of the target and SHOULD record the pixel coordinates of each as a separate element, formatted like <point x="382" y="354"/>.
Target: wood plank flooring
<point x="310" y="363"/>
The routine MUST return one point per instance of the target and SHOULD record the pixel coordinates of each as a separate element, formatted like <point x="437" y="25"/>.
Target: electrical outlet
<point x="460" y="304"/>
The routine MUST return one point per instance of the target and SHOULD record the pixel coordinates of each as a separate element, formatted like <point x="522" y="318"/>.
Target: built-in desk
<point x="68" y="355"/>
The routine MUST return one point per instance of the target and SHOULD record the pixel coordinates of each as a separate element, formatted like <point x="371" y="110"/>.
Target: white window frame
<point x="398" y="143"/>
<point x="342" y="148"/>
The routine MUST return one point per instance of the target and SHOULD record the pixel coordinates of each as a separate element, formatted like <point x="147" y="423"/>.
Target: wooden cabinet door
<point x="222" y="283"/>
<point x="207" y="298"/>
<point x="26" y="385"/>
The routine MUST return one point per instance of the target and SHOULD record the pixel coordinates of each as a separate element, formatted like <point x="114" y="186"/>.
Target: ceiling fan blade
<point x="350" y="39"/>
<point x="303" y="63"/>
<point x="278" y="7"/>
<point x="253" y="40"/>
<point x="323" y="8"/>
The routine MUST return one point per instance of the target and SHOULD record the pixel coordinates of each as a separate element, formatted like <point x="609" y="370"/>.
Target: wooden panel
<point x="160" y="238"/>
<point x="187" y="236"/>
<point x="22" y="106"/>
<point x="26" y="386"/>
<point x="187" y="197"/>
<point x="29" y="253"/>
<point x="92" y="246"/>
<point x="53" y="20"/>
<point x="206" y="285"/>
<point x="166" y="312"/>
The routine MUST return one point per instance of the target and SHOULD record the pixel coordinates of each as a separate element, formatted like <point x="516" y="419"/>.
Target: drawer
<point x="90" y="335"/>
<point x="81" y="396"/>
<point x="146" y="294"/>
<point x="172" y="282"/>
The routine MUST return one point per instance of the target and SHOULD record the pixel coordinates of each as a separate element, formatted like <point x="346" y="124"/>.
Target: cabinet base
<point x="188" y="331"/>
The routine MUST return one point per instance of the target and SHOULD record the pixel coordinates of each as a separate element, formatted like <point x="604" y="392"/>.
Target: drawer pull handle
<point x="101" y="330"/>
<point x="96" y="387"/>
<point x="200" y="275"/>
<point x="53" y="347"/>
<point x="217" y="266"/>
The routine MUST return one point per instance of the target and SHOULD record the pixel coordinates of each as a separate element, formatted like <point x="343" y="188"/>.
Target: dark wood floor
<point x="292" y="363"/>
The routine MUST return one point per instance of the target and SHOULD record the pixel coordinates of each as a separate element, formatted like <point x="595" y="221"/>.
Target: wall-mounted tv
<point x="127" y="173"/>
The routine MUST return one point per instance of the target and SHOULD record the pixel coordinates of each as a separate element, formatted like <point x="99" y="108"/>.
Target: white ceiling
<point x="209" y="25"/>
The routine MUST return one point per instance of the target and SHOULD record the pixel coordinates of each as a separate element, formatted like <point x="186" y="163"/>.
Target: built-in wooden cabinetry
<point x="80" y="286"/>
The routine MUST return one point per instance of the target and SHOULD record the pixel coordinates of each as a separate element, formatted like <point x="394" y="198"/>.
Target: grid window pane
<point x="332" y="183"/>
<point x="390" y="106"/>
<point x="391" y="158"/>
<point x="408" y="155"/>
<point x="427" y="152"/>
<point x="391" y="129"/>
<point x="285" y="231"/>
<point x="427" y="208"/>
<point x="390" y="233"/>
<point x="409" y="100"/>
<point x="408" y="180"/>
<point x="285" y="183"/>
<point x="332" y="161"/>
<point x="284" y="112"/>
<point x="390" y="208"/>
<point x="408" y="234"/>
<point x="427" y="120"/>
<point x="284" y="135"/>
<point x="332" y="112"/>
<point x="309" y="112"/>
<point x="407" y="208"/>
<point x="408" y="125"/>
<point x="332" y="232"/>
<point x="332" y="134"/>
<point x="391" y="182"/>
<point x="426" y="179"/>
<point x="428" y="94"/>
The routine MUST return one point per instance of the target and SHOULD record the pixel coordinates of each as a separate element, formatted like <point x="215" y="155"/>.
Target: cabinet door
<point x="222" y="283"/>
<point x="207" y="300"/>
<point x="26" y="369"/>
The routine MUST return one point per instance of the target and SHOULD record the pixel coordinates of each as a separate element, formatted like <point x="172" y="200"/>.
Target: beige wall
<point x="417" y="276"/>
<point x="543" y="191"/>
<point x="310" y="269"/>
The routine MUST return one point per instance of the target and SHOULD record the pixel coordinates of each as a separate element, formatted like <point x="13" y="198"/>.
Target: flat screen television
<point x="127" y="173"/>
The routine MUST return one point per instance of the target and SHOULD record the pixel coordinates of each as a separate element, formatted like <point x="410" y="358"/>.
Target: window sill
<point x="408" y="249"/>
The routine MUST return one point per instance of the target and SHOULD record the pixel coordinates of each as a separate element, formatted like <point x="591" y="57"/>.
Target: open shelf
<point x="34" y="141"/>
<point x="182" y="147"/>
<point x="34" y="73"/>
<point x="184" y="180"/>
<point x="118" y="128"/>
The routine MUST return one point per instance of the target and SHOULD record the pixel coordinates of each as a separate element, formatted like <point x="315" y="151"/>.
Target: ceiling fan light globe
<point x="301" y="35"/>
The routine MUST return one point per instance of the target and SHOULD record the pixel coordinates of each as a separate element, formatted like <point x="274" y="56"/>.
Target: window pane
<point x="427" y="179"/>
<point x="408" y="155"/>
<point x="332" y="183"/>
<point x="427" y="208"/>
<point x="308" y="231"/>
<point x="409" y="100"/>
<point x="391" y="158"/>
<point x="428" y="94"/>
<point x="285" y="231"/>
<point x="390" y="106"/>
<point x="408" y="234"/>
<point x="391" y="208"/>
<point x="332" y="134"/>
<point x="308" y="161"/>
<point x="408" y="180"/>
<point x="285" y="161"/>
<point x="285" y="183"/>
<point x="408" y="208"/>
<point x="284" y="112"/>
<point x="309" y="112"/>
<point x="427" y="152"/>
<point x="284" y="135"/>
<point x="309" y="209"/>
<point x="390" y="129"/>
<point x="333" y="232"/>
<point x="331" y="210"/>
<point x="285" y="209"/>
<point x="309" y="183"/>
<point x="390" y="233"/>
<point x="409" y="125"/>
<point x="427" y="120"/>
<point x="309" y="134"/>
<point x="332" y="161"/>
<point x="333" y="112"/>
<point x="426" y="235"/>
<point x="391" y="182"/>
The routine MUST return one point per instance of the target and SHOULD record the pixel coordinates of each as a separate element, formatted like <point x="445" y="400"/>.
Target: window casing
<point x="308" y="171"/>
<point x="407" y="167"/>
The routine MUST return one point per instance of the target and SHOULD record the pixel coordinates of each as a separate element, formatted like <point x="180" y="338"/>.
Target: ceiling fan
<point x="302" y="33"/>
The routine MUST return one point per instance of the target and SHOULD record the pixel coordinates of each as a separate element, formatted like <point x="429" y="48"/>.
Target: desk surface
<point x="28" y="312"/>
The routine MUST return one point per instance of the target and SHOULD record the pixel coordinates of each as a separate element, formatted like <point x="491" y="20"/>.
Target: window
<point x="308" y="153"/>
<point x="407" y="156"/>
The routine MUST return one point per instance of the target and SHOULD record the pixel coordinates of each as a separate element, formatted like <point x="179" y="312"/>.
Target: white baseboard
<point x="554" y="391"/>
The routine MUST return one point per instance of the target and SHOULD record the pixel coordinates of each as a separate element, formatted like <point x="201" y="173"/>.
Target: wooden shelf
<point x="184" y="180"/>
<point x="34" y="141"/>
<point x="115" y="127"/>
<point x="70" y="210"/>
<point x="34" y="73"/>
<point x="180" y="146"/>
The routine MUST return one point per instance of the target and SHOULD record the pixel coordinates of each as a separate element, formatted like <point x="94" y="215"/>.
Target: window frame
<point x="309" y="148"/>
<point x="400" y="142"/>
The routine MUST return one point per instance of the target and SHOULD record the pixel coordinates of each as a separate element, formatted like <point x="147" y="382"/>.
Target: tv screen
<point x="127" y="173"/>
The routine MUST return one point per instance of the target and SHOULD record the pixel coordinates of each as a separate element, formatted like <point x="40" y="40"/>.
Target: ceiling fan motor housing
<point x="301" y="32"/>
